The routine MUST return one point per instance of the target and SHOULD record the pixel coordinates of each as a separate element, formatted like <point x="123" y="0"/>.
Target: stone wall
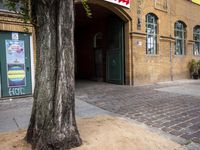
<point x="141" y="68"/>
<point x="160" y="67"/>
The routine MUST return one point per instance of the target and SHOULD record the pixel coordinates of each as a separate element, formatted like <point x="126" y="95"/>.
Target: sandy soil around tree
<point x="103" y="133"/>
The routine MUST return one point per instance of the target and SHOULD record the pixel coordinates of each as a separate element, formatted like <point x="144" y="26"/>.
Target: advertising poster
<point x="15" y="59"/>
<point x="16" y="75"/>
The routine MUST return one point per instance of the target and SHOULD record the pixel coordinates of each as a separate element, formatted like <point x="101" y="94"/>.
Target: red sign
<point x="125" y="3"/>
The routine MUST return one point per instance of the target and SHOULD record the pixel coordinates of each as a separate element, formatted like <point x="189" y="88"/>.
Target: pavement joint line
<point x="15" y="121"/>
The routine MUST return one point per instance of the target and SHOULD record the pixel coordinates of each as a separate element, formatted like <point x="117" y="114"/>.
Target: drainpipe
<point x="132" y="57"/>
<point x="0" y="79"/>
<point x="171" y="65"/>
<point x="171" y="51"/>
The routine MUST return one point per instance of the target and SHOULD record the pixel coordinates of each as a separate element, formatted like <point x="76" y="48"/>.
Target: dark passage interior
<point x="93" y="39"/>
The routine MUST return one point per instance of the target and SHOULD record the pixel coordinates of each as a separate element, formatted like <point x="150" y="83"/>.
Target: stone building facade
<point x="152" y="41"/>
<point x="17" y="54"/>
<point x="155" y="52"/>
<point x="165" y="65"/>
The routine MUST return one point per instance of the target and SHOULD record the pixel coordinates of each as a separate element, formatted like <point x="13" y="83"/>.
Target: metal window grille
<point x="197" y="40"/>
<point x="151" y="30"/>
<point x="179" y="33"/>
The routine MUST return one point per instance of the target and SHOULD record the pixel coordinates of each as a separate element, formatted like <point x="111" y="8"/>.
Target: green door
<point x="115" y="60"/>
<point x="15" y="65"/>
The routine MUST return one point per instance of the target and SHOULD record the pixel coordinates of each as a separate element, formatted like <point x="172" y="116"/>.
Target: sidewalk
<point x="15" y="114"/>
<point x="170" y="108"/>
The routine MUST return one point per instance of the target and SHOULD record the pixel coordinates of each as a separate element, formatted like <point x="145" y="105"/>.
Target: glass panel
<point x="198" y="37"/>
<point x="2" y="2"/>
<point x="150" y="19"/>
<point x="3" y="7"/>
<point x="179" y="33"/>
<point x="97" y="40"/>
<point x="197" y="48"/>
<point x="151" y="30"/>
<point x="179" y="25"/>
<point x="179" y="47"/>
<point x="155" y="27"/>
<point x="197" y="41"/>
<point x="195" y="37"/>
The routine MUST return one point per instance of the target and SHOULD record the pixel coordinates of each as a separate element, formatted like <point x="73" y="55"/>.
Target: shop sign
<point x="161" y="5"/>
<point x="196" y="1"/>
<point x="125" y="3"/>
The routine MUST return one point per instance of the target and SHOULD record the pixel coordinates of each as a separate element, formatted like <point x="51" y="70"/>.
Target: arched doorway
<point x="99" y="45"/>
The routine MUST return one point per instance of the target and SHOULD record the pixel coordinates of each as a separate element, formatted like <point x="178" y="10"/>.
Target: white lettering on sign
<point x="16" y="91"/>
<point x="125" y="3"/>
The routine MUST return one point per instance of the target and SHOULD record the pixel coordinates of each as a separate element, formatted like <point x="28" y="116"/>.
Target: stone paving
<point x="15" y="114"/>
<point x="170" y="107"/>
<point x="173" y="108"/>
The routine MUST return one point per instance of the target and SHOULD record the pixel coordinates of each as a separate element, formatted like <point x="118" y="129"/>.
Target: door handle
<point x="27" y="68"/>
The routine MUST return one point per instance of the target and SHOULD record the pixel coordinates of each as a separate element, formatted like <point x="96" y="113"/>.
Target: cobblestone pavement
<point x="173" y="108"/>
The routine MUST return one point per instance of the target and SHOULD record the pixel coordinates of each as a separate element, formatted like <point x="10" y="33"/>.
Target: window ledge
<point x="152" y="55"/>
<point x="180" y="55"/>
<point x="197" y="55"/>
<point x="8" y="13"/>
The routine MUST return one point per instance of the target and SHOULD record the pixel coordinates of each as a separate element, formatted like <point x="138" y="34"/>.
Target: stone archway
<point x="100" y="10"/>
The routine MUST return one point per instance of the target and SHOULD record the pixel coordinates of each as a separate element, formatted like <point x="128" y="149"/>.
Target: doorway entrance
<point x="15" y="64"/>
<point x="99" y="45"/>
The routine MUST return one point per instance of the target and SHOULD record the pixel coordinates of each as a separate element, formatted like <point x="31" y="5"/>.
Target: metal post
<point x="0" y="79"/>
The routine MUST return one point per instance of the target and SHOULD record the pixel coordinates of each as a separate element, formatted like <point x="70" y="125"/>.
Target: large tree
<point x="52" y="124"/>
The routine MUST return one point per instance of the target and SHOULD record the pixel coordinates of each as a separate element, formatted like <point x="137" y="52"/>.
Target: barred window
<point x="151" y="30"/>
<point x="197" y="40"/>
<point x="179" y="33"/>
<point x="3" y="6"/>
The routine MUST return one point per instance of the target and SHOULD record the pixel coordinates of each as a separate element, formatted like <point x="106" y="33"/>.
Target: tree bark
<point x="52" y="124"/>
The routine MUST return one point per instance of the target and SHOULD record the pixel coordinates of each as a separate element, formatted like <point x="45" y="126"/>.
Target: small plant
<point x="194" y="69"/>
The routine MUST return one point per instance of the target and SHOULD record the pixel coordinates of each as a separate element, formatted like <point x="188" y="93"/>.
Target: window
<point x="97" y="40"/>
<point x="4" y="8"/>
<point x="151" y="30"/>
<point x="179" y="33"/>
<point x="197" y="40"/>
<point x="2" y="2"/>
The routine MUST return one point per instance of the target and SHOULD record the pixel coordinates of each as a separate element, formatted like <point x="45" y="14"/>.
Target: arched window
<point x="179" y="33"/>
<point x="151" y="30"/>
<point x="197" y="40"/>
<point x="97" y="40"/>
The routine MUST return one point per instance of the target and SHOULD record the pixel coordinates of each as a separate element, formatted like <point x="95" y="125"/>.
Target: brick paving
<point x="172" y="112"/>
<point x="165" y="107"/>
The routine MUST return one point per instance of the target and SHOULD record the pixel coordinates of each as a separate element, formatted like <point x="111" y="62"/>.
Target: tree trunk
<point x="52" y="124"/>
